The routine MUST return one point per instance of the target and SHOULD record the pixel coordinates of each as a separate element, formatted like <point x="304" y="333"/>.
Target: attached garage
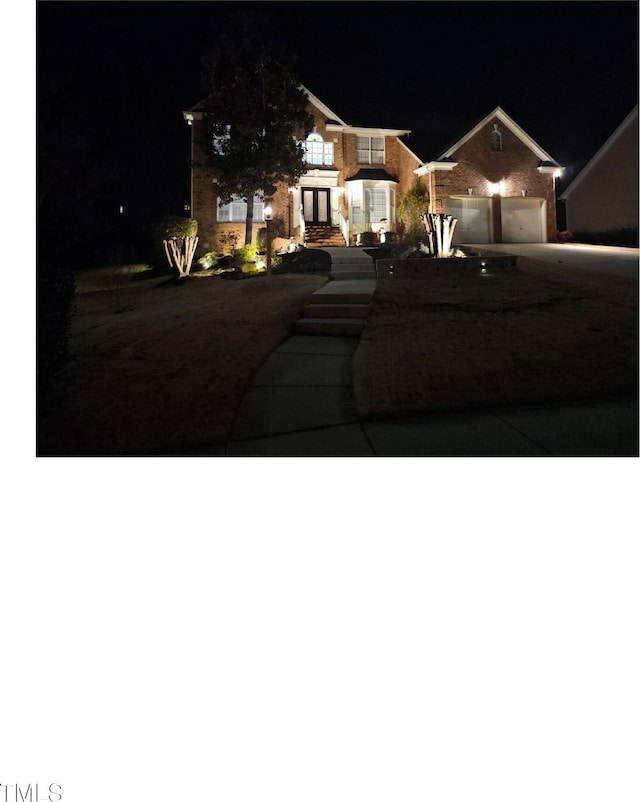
<point x="523" y="220"/>
<point x="474" y="219"/>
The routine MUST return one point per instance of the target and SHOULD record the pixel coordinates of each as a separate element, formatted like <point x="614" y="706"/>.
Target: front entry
<point x="316" y="206"/>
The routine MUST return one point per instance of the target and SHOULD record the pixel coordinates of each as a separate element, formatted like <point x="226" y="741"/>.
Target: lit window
<point x="355" y="195"/>
<point x="370" y="149"/>
<point x="496" y="138"/>
<point x="376" y="204"/>
<point x="236" y="211"/>
<point x="317" y="151"/>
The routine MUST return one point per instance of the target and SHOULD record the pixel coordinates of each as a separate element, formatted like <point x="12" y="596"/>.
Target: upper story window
<point x="370" y="149"/>
<point x="496" y="138"/>
<point x="236" y="211"/>
<point x="317" y="151"/>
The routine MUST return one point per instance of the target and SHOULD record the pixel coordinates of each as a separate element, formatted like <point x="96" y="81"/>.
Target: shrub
<point x="248" y="253"/>
<point x="172" y="226"/>
<point x="209" y="260"/>
<point x="412" y="204"/>
<point x="307" y="260"/>
<point x="622" y="237"/>
<point x="368" y="239"/>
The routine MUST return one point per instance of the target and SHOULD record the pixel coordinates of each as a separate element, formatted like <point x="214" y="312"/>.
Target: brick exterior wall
<point x="478" y="166"/>
<point x="398" y="162"/>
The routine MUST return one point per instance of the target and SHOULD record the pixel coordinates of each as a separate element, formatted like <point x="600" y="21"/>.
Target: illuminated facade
<point x="495" y="180"/>
<point x="351" y="187"/>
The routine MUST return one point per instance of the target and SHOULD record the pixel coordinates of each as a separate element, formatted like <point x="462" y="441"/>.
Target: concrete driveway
<point x="592" y="258"/>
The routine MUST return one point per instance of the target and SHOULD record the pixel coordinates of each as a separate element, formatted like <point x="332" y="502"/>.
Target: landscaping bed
<point x="454" y="340"/>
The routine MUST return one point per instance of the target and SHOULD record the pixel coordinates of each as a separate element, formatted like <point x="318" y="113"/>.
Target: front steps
<point x="323" y="237"/>
<point x="338" y="309"/>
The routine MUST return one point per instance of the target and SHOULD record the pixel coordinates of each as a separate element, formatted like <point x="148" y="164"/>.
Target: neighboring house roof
<point x="602" y="153"/>
<point x="444" y="157"/>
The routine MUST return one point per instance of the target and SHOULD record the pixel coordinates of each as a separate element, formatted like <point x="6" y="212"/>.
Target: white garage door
<point x="522" y="220"/>
<point x="474" y="219"/>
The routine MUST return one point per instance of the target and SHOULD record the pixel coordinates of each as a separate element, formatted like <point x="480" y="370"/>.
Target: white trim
<point x="600" y="153"/>
<point x="319" y="178"/>
<point x="550" y="170"/>
<point x="430" y="167"/>
<point x="511" y="125"/>
<point x="331" y="115"/>
<point x="358" y="129"/>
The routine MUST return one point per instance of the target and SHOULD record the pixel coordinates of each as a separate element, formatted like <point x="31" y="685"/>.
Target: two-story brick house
<point x="496" y="180"/>
<point x="351" y="186"/>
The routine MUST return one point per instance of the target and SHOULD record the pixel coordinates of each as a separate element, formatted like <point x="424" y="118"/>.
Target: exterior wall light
<point x="497" y="189"/>
<point x="470" y="190"/>
<point x="268" y="212"/>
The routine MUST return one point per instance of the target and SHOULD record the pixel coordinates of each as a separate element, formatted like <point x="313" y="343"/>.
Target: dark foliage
<point x="255" y="112"/>
<point x="54" y="305"/>
<point x="622" y="237"/>
<point x="307" y="260"/>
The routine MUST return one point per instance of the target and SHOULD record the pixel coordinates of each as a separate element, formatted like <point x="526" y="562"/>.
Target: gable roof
<point x="331" y="115"/>
<point x="600" y="154"/>
<point x="336" y="123"/>
<point x="509" y="123"/>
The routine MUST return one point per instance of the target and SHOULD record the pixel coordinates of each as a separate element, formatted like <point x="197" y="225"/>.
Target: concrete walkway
<point x="300" y="403"/>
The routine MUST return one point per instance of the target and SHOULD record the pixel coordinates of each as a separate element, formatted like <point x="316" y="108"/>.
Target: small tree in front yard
<point x="412" y="205"/>
<point x="180" y="256"/>
<point x="176" y="238"/>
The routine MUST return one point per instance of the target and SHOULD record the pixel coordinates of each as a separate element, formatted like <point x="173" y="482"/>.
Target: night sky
<point x="122" y="72"/>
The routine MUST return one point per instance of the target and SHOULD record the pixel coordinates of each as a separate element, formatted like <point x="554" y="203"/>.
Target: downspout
<point x="191" y="169"/>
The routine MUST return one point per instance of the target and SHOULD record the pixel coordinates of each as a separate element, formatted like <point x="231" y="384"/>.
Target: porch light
<point x="268" y="212"/>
